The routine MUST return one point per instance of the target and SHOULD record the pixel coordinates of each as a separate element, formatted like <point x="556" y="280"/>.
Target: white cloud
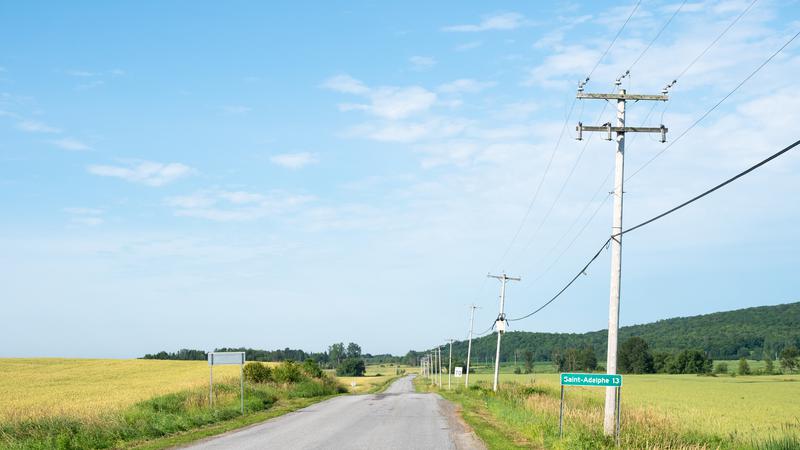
<point x="235" y="206"/>
<point x="148" y="173"/>
<point x="236" y="109"/>
<point x="80" y="73"/>
<point x="434" y="128"/>
<point x="294" y="160"/>
<point x="468" y="46"/>
<point x="422" y="62"/>
<point x="397" y="103"/>
<point x="506" y="21"/>
<point x="388" y="102"/>
<point x="70" y="144"/>
<point x="465" y="85"/>
<point x="32" y="126"/>
<point x="345" y="84"/>
<point x="85" y="216"/>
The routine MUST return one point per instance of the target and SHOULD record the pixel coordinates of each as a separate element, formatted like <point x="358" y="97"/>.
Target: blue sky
<point x="191" y="174"/>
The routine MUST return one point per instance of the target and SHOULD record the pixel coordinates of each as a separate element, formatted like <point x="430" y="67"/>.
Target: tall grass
<point x="156" y="417"/>
<point x="525" y="415"/>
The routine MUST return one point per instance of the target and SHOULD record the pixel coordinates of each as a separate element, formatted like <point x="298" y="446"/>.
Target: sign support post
<point x="225" y="358"/>
<point x="593" y="380"/>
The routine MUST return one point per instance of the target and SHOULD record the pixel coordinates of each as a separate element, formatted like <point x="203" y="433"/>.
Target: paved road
<point x="399" y="418"/>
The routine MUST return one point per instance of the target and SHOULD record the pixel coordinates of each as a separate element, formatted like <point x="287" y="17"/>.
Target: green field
<point x="660" y="411"/>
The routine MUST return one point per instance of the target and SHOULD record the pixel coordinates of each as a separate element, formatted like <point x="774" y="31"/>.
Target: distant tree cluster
<point x="753" y="333"/>
<point x="574" y="359"/>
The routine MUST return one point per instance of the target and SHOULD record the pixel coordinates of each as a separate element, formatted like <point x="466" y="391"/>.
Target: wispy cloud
<point x="145" y="172"/>
<point x="294" y="160"/>
<point x="70" y="144"/>
<point x="236" y="109"/>
<point x="468" y="46"/>
<point x="85" y="216"/>
<point x="422" y="62"/>
<point x="346" y="84"/>
<point x="388" y="102"/>
<point x="465" y="85"/>
<point x="505" y="21"/>
<point x="32" y="126"/>
<point x="235" y="206"/>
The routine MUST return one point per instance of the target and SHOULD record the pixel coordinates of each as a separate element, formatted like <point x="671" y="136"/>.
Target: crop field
<point x="38" y="387"/>
<point x="375" y="378"/>
<point x="665" y="411"/>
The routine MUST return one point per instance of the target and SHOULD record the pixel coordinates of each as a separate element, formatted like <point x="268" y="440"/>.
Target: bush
<point x="287" y="372"/>
<point x="517" y="370"/>
<point x="312" y="369"/>
<point x="721" y="368"/>
<point x="351" y="367"/>
<point x="255" y="372"/>
<point x="744" y="367"/>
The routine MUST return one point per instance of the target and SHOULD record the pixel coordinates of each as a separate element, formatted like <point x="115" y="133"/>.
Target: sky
<point x="289" y="174"/>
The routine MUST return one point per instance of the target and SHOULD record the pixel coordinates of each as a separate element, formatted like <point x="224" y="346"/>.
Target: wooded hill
<point x="722" y="335"/>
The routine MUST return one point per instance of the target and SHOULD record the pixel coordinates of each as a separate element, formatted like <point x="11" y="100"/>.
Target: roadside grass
<point x="163" y="420"/>
<point x="524" y="413"/>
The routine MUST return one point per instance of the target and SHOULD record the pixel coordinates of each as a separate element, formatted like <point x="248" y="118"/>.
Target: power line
<point x="655" y="38"/>
<point x="714" y="42"/>
<point x="660" y="216"/>
<point x="719" y="186"/>
<point x="716" y="105"/>
<point x="613" y="41"/>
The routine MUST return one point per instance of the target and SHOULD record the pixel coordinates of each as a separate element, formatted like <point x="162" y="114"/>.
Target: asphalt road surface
<point x="399" y="418"/>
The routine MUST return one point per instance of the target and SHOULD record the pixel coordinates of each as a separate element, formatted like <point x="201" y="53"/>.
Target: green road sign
<point x="590" y="379"/>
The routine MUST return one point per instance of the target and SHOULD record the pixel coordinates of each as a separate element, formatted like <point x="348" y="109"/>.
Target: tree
<point x="769" y="367"/>
<point x="634" y="356"/>
<point x="744" y="368"/>
<point x="528" y="361"/>
<point x="353" y="350"/>
<point x="789" y="357"/>
<point x="690" y="361"/>
<point x="351" y="367"/>
<point x="336" y="353"/>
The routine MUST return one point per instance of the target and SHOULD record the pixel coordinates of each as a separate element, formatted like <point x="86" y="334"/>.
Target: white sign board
<point x="458" y="372"/>
<point x="223" y="358"/>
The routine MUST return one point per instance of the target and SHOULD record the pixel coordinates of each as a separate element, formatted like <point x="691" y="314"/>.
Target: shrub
<point x="351" y="367"/>
<point x="517" y="370"/>
<point x="744" y="368"/>
<point x="312" y="369"/>
<point x="721" y="368"/>
<point x="287" y="372"/>
<point x="255" y="372"/>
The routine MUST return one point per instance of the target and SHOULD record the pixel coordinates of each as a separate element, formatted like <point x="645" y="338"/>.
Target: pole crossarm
<point x="620" y="96"/>
<point x="622" y="129"/>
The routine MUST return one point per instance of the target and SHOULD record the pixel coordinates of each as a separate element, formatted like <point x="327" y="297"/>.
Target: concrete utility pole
<point x="616" y="239"/>
<point x="500" y="323"/>
<point x="439" y="348"/>
<point x="450" y="364"/>
<point x="469" y="346"/>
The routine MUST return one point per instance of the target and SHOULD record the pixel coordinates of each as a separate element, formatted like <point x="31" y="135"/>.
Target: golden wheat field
<point x="37" y="387"/>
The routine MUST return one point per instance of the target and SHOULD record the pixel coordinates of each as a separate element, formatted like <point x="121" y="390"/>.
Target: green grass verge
<point x="525" y="416"/>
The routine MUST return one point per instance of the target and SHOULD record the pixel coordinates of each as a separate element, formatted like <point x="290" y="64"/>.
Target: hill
<point x="723" y="335"/>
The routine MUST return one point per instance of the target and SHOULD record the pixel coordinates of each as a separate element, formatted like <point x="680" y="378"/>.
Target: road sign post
<point x="221" y="359"/>
<point x="592" y="380"/>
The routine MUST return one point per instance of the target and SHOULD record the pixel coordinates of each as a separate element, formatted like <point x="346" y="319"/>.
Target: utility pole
<point x="439" y="349"/>
<point x="469" y="346"/>
<point x="500" y="323"/>
<point x="616" y="239"/>
<point x="449" y="364"/>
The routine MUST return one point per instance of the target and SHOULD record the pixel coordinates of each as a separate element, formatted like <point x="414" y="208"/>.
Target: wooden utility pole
<point x="469" y="346"/>
<point x="500" y="323"/>
<point x="616" y="238"/>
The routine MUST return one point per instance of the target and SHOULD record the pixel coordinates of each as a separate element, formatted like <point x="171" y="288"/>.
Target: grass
<point x="68" y="403"/>
<point x="659" y="411"/>
<point x="377" y="378"/>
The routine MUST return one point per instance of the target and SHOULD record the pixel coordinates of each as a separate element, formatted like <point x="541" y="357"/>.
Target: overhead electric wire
<point x="655" y="38"/>
<point x="714" y="42"/>
<point x="719" y="186"/>
<point x="716" y="105"/>
<point x="660" y="216"/>
<point x="613" y="41"/>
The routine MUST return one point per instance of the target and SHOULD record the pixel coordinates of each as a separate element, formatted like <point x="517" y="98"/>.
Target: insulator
<point x="580" y="131"/>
